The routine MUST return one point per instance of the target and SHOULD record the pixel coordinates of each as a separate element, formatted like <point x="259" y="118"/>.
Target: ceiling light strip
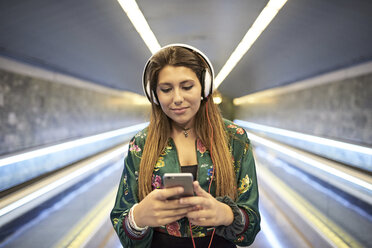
<point x="262" y="21"/>
<point x="139" y="22"/>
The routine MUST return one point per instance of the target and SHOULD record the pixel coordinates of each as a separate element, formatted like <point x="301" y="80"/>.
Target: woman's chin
<point x="181" y="121"/>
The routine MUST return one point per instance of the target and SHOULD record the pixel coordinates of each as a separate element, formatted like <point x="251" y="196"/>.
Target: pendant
<point x="186" y="133"/>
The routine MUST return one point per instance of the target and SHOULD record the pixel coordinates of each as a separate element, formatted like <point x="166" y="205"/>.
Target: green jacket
<point x="246" y="182"/>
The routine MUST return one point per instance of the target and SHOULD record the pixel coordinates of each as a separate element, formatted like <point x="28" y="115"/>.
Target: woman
<point x="186" y="134"/>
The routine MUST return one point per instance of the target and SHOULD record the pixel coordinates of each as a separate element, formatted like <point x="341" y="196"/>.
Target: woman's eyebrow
<point x="170" y="84"/>
<point x="187" y="81"/>
<point x="164" y="84"/>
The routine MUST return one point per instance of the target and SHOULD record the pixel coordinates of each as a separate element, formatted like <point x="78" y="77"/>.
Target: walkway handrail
<point x="347" y="153"/>
<point x="19" y="168"/>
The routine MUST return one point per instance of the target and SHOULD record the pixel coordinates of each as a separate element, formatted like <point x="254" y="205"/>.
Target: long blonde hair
<point x="160" y="127"/>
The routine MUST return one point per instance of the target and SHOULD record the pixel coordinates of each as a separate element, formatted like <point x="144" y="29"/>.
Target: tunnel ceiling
<point x="94" y="39"/>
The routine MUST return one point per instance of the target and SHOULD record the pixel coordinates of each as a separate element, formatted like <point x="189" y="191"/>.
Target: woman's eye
<point x="166" y="90"/>
<point x="187" y="87"/>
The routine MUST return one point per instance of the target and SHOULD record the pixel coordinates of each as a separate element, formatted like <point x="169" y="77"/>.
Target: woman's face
<point x="179" y="94"/>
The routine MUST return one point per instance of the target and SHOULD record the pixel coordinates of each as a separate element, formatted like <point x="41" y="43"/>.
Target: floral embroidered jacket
<point x="246" y="181"/>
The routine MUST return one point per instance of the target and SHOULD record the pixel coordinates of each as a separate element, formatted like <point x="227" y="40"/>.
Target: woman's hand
<point x="155" y="210"/>
<point x="207" y="210"/>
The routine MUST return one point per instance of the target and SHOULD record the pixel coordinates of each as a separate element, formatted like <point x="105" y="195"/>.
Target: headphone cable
<point x="210" y="183"/>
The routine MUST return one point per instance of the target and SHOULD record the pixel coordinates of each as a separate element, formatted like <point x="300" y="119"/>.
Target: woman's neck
<point x="186" y="130"/>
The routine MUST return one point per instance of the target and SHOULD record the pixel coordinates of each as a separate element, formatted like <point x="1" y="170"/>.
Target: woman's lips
<point x="179" y="111"/>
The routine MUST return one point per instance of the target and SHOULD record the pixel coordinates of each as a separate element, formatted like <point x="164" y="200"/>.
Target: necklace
<point x="186" y="132"/>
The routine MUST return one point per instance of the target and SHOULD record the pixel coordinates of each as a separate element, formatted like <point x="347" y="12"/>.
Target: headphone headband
<point x="207" y="75"/>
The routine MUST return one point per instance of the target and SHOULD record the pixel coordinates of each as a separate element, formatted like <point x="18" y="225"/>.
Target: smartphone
<point x="179" y="179"/>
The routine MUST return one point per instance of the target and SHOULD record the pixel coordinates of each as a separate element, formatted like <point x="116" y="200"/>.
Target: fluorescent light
<point x="70" y="144"/>
<point x="312" y="162"/>
<point x="117" y="152"/>
<point x="269" y="232"/>
<point x="306" y="137"/>
<point x="262" y="21"/>
<point x="217" y="99"/>
<point x="139" y="22"/>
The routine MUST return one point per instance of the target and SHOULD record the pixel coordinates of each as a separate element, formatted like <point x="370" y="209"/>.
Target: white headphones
<point x="206" y="78"/>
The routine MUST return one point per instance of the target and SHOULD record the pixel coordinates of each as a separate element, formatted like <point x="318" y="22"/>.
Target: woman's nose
<point x="177" y="97"/>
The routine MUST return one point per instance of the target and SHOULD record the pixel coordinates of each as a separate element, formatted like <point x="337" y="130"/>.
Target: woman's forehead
<point x="170" y="74"/>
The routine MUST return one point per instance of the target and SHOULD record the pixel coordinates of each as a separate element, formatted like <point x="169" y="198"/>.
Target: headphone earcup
<point x="149" y="92"/>
<point x="207" y="83"/>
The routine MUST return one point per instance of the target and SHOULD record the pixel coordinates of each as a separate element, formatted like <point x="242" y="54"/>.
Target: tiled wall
<point x="36" y="112"/>
<point x="340" y="110"/>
